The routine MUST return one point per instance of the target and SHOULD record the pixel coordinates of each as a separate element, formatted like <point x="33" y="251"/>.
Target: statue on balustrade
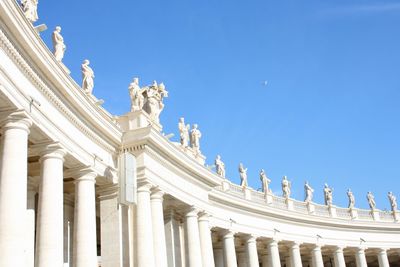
<point x="393" y="201"/>
<point x="87" y="77"/>
<point x="220" y="166"/>
<point x="286" y="187"/>
<point x="58" y="44"/>
<point x="153" y="100"/>
<point x="328" y="195"/>
<point x="265" y="181"/>
<point x="309" y="193"/>
<point x="371" y="201"/>
<point x="30" y="9"/>
<point x="243" y="175"/>
<point x="136" y="94"/>
<point x="195" y="136"/>
<point x="352" y="200"/>
<point x="183" y="132"/>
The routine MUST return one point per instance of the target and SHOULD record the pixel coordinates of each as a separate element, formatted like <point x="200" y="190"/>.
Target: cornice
<point x="100" y="119"/>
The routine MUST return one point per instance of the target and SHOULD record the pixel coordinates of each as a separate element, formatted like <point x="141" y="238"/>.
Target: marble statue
<point x="220" y="166"/>
<point x="265" y="181"/>
<point x="243" y="175"/>
<point x="309" y="193"/>
<point x="87" y="77"/>
<point x="393" y="201"/>
<point x="153" y="100"/>
<point x="371" y="201"/>
<point x="136" y="94"/>
<point x="195" y="136"/>
<point x="30" y="9"/>
<point x="58" y="44"/>
<point x="328" y="195"/>
<point x="183" y="132"/>
<point x="352" y="200"/>
<point x="286" y="187"/>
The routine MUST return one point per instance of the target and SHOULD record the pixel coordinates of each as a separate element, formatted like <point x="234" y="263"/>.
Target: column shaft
<point x="219" y="257"/>
<point x="206" y="241"/>
<point x="273" y="252"/>
<point x="85" y="242"/>
<point x="229" y="249"/>
<point x="295" y="257"/>
<point x="193" y="239"/>
<point x="361" y="261"/>
<point x="50" y="222"/>
<point x="30" y="229"/>
<point x="339" y="257"/>
<point x="382" y="258"/>
<point x="316" y="256"/>
<point x="157" y="213"/>
<point x="13" y="189"/>
<point x="251" y="249"/>
<point x="144" y="231"/>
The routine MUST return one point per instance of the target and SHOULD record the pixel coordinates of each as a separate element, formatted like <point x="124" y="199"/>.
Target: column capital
<point x="86" y="174"/>
<point x="204" y="216"/>
<point x="295" y="244"/>
<point x="144" y="185"/>
<point x="50" y="150"/>
<point x="339" y="249"/>
<point x="228" y="233"/>
<point x="273" y="242"/>
<point x="382" y="250"/>
<point x="361" y="249"/>
<point x="251" y="238"/>
<point x="18" y="119"/>
<point x="192" y="211"/>
<point x="157" y="193"/>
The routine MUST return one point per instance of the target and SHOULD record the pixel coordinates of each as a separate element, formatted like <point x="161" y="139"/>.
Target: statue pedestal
<point x="268" y="198"/>
<point x="332" y="211"/>
<point x="353" y="213"/>
<point x="137" y="119"/>
<point x="289" y="204"/>
<point x="310" y="208"/>
<point x="247" y="193"/>
<point x="375" y="215"/>
<point x="225" y="185"/>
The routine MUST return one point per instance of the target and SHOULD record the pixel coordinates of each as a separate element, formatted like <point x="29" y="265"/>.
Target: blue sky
<point x="329" y="112"/>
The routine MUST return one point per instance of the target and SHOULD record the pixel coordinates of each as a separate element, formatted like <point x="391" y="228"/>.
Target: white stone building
<point x="79" y="187"/>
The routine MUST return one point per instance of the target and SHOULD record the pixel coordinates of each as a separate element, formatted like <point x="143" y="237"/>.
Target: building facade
<point x="80" y="187"/>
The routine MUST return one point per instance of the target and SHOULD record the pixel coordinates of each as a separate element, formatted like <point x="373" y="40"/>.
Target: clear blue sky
<point x="329" y="113"/>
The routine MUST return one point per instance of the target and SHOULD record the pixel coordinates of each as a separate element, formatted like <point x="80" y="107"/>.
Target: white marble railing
<point x="313" y="209"/>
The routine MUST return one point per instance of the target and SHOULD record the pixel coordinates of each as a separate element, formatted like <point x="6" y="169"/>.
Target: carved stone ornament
<point x="183" y="132"/>
<point x="286" y="187"/>
<point x="58" y="44"/>
<point x="220" y="166"/>
<point x="264" y="181"/>
<point x="30" y="9"/>
<point x="328" y="194"/>
<point x="87" y="77"/>
<point x="243" y="175"/>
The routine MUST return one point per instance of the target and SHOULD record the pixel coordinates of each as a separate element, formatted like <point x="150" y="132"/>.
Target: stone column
<point x="13" y="188"/>
<point x="85" y="242"/>
<point x="193" y="238"/>
<point x="242" y="259"/>
<point x="361" y="260"/>
<point x="251" y="249"/>
<point x="114" y="234"/>
<point x="219" y="257"/>
<point x="50" y="221"/>
<point x="316" y="256"/>
<point x="339" y="257"/>
<point x="68" y="229"/>
<point x="30" y="227"/>
<point x="229" y="249"/>
<point x="264" y="260"/>
<point x="144" y="229"/>
<point x="295" y="257"/>
<point x="382" y="258"/>
<point x="205" y="240"/>
<point x="273" y="252"/>
<point x="157" y="214"/>
<point x="173" y="240"/>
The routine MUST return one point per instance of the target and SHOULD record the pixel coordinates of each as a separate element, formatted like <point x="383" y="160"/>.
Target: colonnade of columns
<point x="17" y="203"/>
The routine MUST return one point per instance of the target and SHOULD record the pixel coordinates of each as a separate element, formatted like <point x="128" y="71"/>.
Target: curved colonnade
<point x="61" y="190"/>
